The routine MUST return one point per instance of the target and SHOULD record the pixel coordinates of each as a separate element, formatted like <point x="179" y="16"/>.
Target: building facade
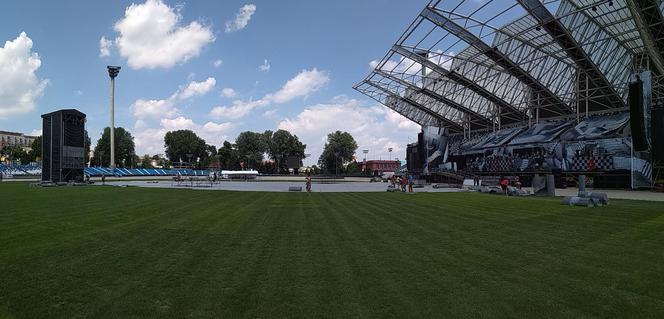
<point x="16" y="139"/>
<point x="379" y="166"/>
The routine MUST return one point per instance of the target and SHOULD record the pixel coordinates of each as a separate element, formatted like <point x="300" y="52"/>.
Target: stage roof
<point x="479" y="65"/>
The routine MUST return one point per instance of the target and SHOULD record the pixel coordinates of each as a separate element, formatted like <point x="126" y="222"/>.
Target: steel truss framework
<point x="477" y="65"/>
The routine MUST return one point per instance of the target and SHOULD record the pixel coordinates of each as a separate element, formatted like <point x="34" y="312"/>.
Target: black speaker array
<point x="639" y="140"/>
<point x="658" y="134"/>
<point x="63" y="146"/>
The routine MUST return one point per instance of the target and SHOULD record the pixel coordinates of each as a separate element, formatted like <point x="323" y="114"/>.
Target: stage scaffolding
<point x="473" y="66"/>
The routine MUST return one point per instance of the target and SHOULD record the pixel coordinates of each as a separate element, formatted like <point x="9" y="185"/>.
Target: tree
<point x="146" y="161"/>
<point x="36" y="147"/>
<point x="15" y="153"/>
<point x="185" y="145"/>
<point x="210" y="156"/>
<point x="267" y="139"/>
<point x="352" y="168"/>
<point x="282" y="145"/>
<point x="86" y="147"/>
<point x="250" y="147"/>
<point x="228" y="156"/>
<point x="339" y="149"/>
<point x="124" y="148"/>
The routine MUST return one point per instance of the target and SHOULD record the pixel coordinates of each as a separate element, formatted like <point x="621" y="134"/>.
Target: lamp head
<point x="113" y="71"/>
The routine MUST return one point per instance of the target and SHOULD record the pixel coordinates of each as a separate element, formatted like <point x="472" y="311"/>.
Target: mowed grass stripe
<point x="505" y="251"/>
<point x="379" y="253"/>
<point x="94" y="223"/>
<point x="463" y="268"/>
<point x="130" y="252"/>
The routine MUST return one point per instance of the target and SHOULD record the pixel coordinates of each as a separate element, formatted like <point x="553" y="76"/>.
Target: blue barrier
<point x="120" y="172"/>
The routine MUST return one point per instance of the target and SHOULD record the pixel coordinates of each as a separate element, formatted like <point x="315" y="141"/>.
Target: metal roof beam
<point x="459" y="78"/>
<point x="650" y="22"/>
<point x="412" y="114"/>
<point x="564" y="38"/>
<point x="450" y="124"/>
<point x="499" y="58"/>
<point x="483" y="120"/>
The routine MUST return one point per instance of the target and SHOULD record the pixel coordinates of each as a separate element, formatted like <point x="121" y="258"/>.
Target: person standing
<point x="504" y="182"/>
<point x="308" y="183"/>
<point x="591" y="164"/>
<point x="411" y="181"/>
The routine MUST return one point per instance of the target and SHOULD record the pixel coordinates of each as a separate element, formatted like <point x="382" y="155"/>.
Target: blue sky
<point x="215" y="67"/>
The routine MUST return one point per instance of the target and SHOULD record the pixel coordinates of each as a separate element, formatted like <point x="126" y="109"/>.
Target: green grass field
<point x="107" y="252"/>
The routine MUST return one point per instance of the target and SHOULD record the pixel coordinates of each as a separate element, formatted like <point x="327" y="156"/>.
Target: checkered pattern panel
<point x="580" y="163"/>
<point x="500" y="164"/>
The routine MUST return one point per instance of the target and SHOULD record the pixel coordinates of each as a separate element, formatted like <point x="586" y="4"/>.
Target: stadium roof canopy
<point x="469" y="65"/>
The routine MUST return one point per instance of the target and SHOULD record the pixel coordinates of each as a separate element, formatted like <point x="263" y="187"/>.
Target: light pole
<point x="113" y="72"/>
<point x="389" y="150"/>
<point x="365" y="155"/>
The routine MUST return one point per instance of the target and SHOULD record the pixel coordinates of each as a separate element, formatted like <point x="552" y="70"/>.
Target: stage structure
<point x="63" y="146"/>
<point x="520" y="86"/>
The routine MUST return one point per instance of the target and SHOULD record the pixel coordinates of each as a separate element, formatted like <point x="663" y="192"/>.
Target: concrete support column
<point x="582" y="183"/>
<point x="550" y="185"/>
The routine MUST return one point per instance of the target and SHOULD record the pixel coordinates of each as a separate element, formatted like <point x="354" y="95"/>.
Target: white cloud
<point x="154" y="108"/>
<point x="241" y="18"/>
<point x="78" y="92"/>
<point x="197" y="88"/>
<point x="105" y="47"/>
<point x="19" y="85"/>
<point x="151" y="140"/>
<point x="237" y="110"/>
<point x="217" y="63"/>
<point x="270" y="113"/>
<point x="214" y="133"/>
<point x="36" y="132"/>
<point x="374" y="128"/>
<point x="167" y="107"/>
<point x="265" y="67"/>
<point x="151" y="36"/>
<point x="228" y="92"/>
<point x="211" y="127"/>
<point x="302" y="85"/>
<point x="179" y="123"/>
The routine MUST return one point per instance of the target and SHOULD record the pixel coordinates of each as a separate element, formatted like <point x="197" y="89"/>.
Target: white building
<point x="16" y="139"/>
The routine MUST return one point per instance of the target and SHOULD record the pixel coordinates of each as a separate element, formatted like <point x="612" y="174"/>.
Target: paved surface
<point x="616" y="194"/>
<point x="359" y="187"/>
<point x="278" y="186"/>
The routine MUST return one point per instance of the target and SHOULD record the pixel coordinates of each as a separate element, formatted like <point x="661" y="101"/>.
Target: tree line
<point x="267" y="152"/>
